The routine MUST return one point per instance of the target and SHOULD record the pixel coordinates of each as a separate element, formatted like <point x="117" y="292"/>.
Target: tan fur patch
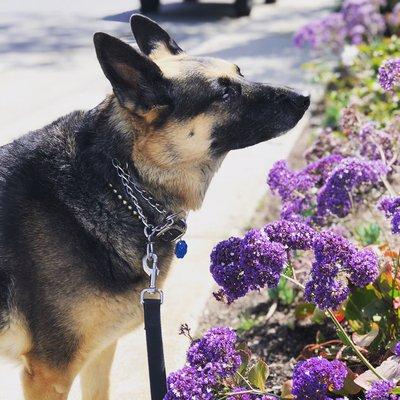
<point x="183" y="65"/>
<point x="15" y="340"/>
<point x="101" y="319"/>
<point x="41" y="382"/>
<point x="177" y="158"/>
<point x="160" y="51"/>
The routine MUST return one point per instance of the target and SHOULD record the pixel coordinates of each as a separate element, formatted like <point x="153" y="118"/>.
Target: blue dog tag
<point x="181" y="249"/>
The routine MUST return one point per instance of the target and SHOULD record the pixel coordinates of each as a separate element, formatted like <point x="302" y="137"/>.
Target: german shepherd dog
<point x="70" y="266"/>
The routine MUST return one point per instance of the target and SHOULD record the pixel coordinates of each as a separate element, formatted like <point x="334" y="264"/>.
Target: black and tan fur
<point x="70" y="253"/>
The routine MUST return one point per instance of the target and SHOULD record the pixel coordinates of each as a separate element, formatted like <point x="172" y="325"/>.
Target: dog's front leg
<point x="43" y="382"/>
<point x="95" y="376"/>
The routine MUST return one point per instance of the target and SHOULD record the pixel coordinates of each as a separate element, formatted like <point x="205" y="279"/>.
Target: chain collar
<point x="165" y="225"/>
<point x="170" y="227"/>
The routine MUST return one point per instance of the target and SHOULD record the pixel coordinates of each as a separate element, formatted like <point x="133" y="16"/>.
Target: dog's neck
<point x="181" y="188"/>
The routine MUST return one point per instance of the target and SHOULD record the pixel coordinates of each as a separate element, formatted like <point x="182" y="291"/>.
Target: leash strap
<point x="155" y="351"/>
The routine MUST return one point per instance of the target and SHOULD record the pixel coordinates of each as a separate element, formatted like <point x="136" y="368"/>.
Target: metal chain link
<point x="167" y="218"/>
<point x="150" y="230"/>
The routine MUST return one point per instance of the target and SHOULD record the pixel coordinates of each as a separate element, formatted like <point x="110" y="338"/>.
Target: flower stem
<point x="389" y="187"/>
<point x="352" y="345"/>
<point x="294" y="281"/>
<point x="339" y="327"/>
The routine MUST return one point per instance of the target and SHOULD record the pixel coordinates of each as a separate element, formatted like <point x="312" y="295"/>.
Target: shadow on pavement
<point x="191" y="11"/>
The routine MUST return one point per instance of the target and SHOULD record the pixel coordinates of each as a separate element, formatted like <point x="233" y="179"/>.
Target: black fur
<point x="63" y="234"/>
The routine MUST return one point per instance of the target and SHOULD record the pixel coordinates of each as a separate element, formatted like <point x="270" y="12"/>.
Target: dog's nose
<point x="304" y="100"/>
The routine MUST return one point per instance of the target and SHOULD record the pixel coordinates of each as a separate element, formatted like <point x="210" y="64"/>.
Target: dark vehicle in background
<point x="242" y="7"/>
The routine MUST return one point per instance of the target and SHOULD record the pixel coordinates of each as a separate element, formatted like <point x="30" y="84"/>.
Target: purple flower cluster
<point x="227" y="270"/>
<point x="389" y="74"/>
<point x="257" y="260"/>
<point x="187" y="383"/>
<point x="390" y="206"/>
<point x="215" y="354"/>
<point x="376" y="144"/>
<point x="297" y="189"/>
<point x="240" y="265"/>
<point x="357" y="20"/>
<point x="338" y="263"/>
<point x="293" y="235"/>
<point x="262" y="260"/>
<point x="315" y="378"/>
<point x="339" y="193"/>
<point x="329" y="186"/>
<point x="328" y="31"/>
<point x="209" y="360"/>
<point x="380" y="390"/>
<point x="363" y="20"/>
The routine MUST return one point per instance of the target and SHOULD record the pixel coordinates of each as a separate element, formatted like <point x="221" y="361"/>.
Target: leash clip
<point x="153" y="271"/>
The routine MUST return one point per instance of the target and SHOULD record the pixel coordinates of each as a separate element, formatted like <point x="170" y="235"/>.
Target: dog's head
<point x="192" y="110"/>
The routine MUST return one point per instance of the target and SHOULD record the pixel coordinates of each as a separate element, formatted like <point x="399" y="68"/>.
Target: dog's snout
<point x="300" y="100"/>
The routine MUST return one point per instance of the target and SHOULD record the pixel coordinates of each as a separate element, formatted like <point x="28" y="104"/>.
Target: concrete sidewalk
<point x="48" y="68"/>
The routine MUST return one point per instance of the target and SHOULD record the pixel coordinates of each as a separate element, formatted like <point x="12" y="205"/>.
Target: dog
<point x="71" y="249"/>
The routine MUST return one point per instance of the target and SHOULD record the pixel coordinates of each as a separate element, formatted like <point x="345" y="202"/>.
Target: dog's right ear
<point x="137" y="81"/>
<point x="152" y="40"/>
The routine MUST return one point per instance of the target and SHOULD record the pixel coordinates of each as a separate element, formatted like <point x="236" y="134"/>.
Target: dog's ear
<point x="137" y="81"/>
<point x="152" y="39"/>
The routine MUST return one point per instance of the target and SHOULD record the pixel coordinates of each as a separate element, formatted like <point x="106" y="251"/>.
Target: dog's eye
<point x="228" y="92"/>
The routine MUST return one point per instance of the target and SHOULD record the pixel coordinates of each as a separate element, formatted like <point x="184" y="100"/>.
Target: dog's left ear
<point x="152" y="39"/>
<point x="137" y="81"/>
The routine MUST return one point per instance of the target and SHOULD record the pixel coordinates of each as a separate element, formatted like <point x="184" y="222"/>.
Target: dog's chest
<point x="102" y="318"/>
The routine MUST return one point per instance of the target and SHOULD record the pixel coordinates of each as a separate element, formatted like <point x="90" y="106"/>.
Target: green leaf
<point x="318" y="316"/>
<point x="304" y="310"/>
<point x="368" y="234"/>
<point x="283" y="293"/>
<point x="258" y="375"/>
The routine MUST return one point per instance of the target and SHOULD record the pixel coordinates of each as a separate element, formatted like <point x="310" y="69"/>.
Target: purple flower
<point x="188" y="383"/>
<point x="326" y="290"/>
<point x="375" y="143"/>
<point x="262" y="260"/>
<point x="297" y="188"/>
<point x="315" y="378"/>
<point x="281" y="179"/>
<point x="363" y="20"/>
<point x="322" y="168"/>
<point x="330" y="248"/>
<point x="358" y="20"/>
<point x="293" y="235"/>
<point x="226" y="268"/>
<point x="390" y="206"/>
<point x="389" y="74"/>
<point x="337" y="261"/>
<point x="326" y="32"/>
<point x="215" y="354"/>
<point x="338" y="194"/>
<point x="380" y="390"/>
<point x="397" y="349"/>
<point x="251" y="263"/>
<point x="363" y="267"/>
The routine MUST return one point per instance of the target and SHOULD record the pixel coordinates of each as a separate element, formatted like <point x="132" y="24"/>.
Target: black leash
<point x="155" y="351"/>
